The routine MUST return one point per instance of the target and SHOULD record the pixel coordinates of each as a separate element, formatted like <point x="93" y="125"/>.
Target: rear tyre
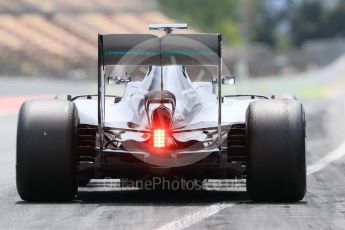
<point x="276" y="168"/>
<point x="46" y="156"/>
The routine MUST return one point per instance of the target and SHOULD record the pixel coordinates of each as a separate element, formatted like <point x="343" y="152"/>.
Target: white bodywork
<point x="196" y="105"/>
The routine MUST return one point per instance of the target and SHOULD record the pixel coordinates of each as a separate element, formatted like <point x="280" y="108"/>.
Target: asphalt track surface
<point x="100" y="206"/>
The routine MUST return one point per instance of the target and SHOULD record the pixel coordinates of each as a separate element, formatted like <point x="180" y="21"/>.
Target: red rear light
<point x="159" y="138"/>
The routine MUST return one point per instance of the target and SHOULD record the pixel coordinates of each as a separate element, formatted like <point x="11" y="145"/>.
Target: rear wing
<point x="148" y="49"/>
<point x="128" y="49"/>
<point x="191" y="49"/>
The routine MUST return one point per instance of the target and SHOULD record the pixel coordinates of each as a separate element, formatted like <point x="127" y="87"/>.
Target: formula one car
<point x="170" y="122"/>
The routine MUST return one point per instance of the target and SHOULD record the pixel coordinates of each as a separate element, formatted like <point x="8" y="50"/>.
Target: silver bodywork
<point x="200" y="118"/>
<point x="196" y="106"/>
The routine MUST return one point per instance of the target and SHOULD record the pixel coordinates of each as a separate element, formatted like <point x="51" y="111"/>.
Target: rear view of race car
<point x="169" y="122"/>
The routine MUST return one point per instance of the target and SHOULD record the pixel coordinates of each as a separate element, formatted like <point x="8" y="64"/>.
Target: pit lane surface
<point x="103" y="207"/>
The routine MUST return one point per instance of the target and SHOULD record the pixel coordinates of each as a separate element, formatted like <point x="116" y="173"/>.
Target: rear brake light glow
<point x="159" y="138"/>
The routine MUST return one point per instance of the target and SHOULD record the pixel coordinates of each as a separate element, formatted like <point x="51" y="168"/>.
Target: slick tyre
<point x="276" y="167"/>
<point x="46" y="156"/>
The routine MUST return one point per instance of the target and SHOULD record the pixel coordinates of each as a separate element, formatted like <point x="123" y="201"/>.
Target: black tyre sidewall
<point x="46" y="147"/>
<point x="276" y="167"/>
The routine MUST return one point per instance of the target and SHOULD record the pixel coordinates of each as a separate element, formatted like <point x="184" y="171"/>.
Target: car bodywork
<point x="204" y="131"/>
<point x="171" y="122"/>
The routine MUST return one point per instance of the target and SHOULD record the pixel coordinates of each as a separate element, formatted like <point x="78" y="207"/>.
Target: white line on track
<point x="329" y="158"/>
<point x="326" y="160"/>
<point x="197" y="216"/>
